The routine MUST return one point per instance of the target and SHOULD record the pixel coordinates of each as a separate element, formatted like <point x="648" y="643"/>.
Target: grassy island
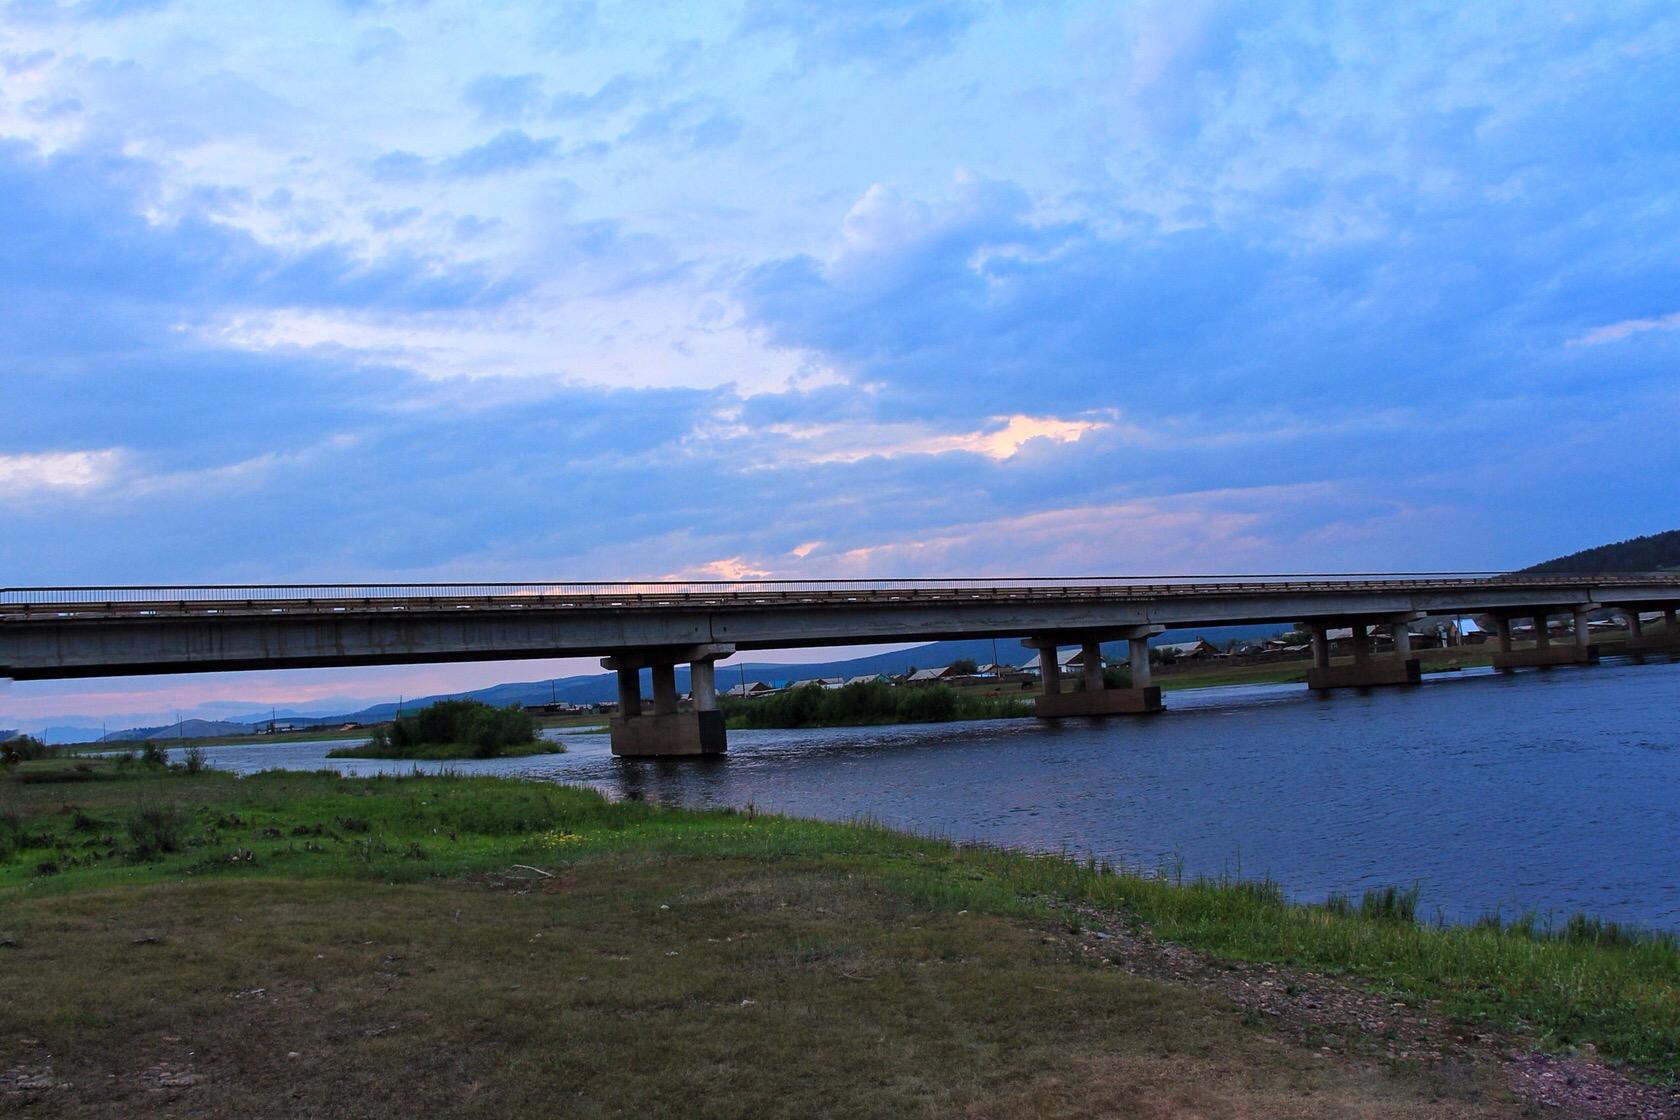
<point x="455" y="729"/>
<point x="307" y="944"/>
<point x="868" y="703"/>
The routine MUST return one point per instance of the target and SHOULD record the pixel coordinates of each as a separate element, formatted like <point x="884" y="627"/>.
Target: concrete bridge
<point x="61" y="632"/>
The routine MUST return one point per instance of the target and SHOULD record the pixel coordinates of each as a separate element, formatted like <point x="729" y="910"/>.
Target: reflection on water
<point x="1555" y="791"/>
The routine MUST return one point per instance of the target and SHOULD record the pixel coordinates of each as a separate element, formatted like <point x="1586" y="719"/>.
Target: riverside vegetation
<point x="306" y="943"/>
<point x="454" y="729"/>
<point x="867" y="703"/>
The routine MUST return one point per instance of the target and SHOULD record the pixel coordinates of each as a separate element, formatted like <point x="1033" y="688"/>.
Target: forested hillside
<point x="1641" y="554"/>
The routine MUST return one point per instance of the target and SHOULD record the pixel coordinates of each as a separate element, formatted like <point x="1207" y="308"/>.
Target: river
<point x="1553" y="791"/>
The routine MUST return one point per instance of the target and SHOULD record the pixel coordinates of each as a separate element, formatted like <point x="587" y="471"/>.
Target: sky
<point x="355" y="290"/>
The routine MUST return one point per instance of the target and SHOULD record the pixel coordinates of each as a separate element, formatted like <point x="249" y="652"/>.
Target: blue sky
<point x="354" y="291"/>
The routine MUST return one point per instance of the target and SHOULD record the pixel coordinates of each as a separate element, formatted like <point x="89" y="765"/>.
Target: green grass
<point x="1583" y="983"/>
<point x="446" y="751"/>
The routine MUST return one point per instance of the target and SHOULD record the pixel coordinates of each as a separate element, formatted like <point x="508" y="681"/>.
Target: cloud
<point x="690" y="124"/>
<point x="1002" y="439"/>
<point x="1627" y="328"/>
<point x="504" y="97"/>
<point x="613" y="95"/>
<point x="29" y="475"/>
<point x="510" y="150"/>
<point x="890" y="35"/>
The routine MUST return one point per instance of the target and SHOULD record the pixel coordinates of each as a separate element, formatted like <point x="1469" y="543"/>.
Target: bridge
<point x="64" y="632"/>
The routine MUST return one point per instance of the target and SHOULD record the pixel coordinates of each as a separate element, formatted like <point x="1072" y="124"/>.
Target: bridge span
<point x="62" y="632"/>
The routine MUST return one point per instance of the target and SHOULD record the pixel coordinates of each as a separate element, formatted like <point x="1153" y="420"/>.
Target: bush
<point x="153" y="755"/>
<point x="472" y="723"/>
<point x="869" y="702"/>
<point x="24" y="748"/>
<point x="194" y="760"/>
<point x="155" y="831"/>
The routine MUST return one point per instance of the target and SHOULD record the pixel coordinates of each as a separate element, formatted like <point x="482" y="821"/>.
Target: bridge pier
<point x="667" y="730"/>
<point x="1097" y="699"/>
<point x="1579" y="651"/>
<point x="1639" y="641"/>
<point x="1367" y="670"/>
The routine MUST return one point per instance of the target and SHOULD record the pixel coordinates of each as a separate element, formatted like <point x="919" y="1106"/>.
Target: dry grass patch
<point x="633" y="987"/>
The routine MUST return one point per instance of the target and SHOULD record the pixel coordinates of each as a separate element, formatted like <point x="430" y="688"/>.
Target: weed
<point x="1391" y="904"/>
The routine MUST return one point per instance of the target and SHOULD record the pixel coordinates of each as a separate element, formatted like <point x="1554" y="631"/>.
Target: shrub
<point x="473" y="723"/>
<point x="153" y="755"/>
<point x="155" y="831"/>
<point x="11" y="831"/>
<point x="194" y="760"/>
<point x="24" y="748"/>
<point x="869" y="702"/>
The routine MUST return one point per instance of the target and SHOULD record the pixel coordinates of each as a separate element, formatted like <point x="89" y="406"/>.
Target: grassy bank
<point x="498" y="946"/>
<point x="869" y="703"/>
<point x="445" y="751"/>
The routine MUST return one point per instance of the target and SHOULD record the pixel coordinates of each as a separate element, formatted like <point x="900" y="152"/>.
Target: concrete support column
<point x="1361" y="644"/>
<point x="1049" y="670"/>
<point x="665" y="731"/>
<point x="702" y="677"/>
<point x="1502" y="632"/>
<point x="1090" y="657"/>
<point x="664" y="688"/>
<point x="1366" y="671"/>
<point x="629" y="693"/>
<point x="1137" y="654"/>
<point x="1095" y="699"/>
<point x="1668" y="623"/>
<point x="1546" y="653"/>
<point x="1635" y="628"/>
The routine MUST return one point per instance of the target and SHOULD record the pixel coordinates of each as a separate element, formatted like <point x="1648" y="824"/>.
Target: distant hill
<point x="66" y="733"/>
<point x="8" y="734"/>
<point x="1657" y="552"/>
<point x="186" y="729"/>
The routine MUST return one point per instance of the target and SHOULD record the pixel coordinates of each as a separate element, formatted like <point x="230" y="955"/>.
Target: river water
<point x="1553" y="791"/>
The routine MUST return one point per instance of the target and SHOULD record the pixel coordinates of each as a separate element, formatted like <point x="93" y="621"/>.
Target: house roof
<point x="1187" y="647"/>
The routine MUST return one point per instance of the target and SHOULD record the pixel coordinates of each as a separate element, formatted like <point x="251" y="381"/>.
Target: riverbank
<point x="446" y="752"/>
<point x="447" y="943"/>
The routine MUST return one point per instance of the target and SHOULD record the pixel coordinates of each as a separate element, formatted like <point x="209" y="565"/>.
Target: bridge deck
<point x="143" y="601"/>
<point x="50" y="632"/>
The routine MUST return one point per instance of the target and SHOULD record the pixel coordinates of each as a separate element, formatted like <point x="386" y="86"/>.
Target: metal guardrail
<point x="153" y="599"/>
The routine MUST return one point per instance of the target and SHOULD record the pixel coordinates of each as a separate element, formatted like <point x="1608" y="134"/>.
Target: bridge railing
<point x="157" y="598"/>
